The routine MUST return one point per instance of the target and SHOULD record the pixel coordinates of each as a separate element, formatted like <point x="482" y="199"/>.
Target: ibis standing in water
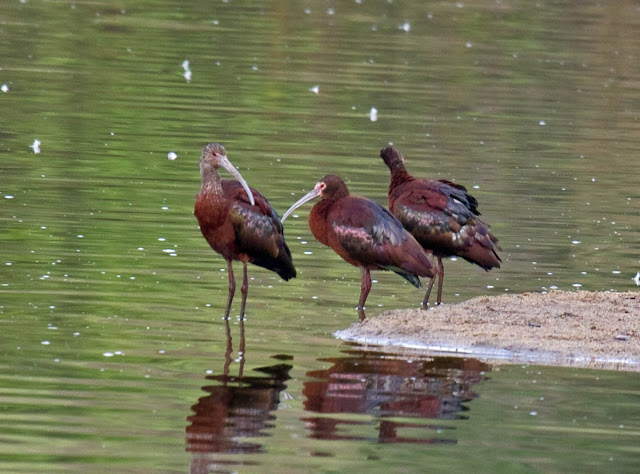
<point x="442" y="216"/>
<point x="364" y="234"/>
<point x="238" y="222"/>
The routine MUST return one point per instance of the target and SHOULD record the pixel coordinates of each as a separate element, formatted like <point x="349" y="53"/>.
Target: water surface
<point x="113" y="347"/>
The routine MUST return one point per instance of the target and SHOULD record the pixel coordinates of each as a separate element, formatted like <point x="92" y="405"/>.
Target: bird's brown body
<point x="441" y="215"/>
<point x="364" y="234"/>
<point x="237" y="228"/>
<point x="239" y="231"/>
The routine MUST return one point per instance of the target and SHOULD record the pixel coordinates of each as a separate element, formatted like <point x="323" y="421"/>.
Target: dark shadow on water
<point x="235" y="407"/>
<point x="390" y="386"/>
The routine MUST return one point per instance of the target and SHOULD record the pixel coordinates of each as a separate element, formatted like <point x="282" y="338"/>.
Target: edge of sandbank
<point x="416" y="330"/>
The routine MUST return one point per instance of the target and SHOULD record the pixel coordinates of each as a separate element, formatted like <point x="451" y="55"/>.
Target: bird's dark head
<point x="329" y="187"/>
<point x="213" y="154"/>
<point x="213" y="157"/>
<point x="392" y="157"/>
<point x="332" y="186"/>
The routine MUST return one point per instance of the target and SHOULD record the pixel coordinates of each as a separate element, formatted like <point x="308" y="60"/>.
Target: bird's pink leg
<point x="365" y="287"/>
<point x="440" y="280"/>
<point x="244" y="289"/>
<point x="440" y="275"/>
<point x="232" y="288"/>
<point x="241" y="349"/>
<point x="227" y="354"/>
<point x="425" y="301"/>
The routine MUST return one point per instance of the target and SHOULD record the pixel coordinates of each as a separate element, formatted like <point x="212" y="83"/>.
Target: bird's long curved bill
<point x="226" y="164"/>
<point x="314" y="193"/>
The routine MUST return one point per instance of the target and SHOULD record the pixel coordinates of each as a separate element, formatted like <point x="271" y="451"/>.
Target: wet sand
<point x="574" y="328"/>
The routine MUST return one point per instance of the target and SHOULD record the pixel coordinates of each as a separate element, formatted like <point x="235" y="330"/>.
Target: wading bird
<point x="238" y="222"/>
<point x="364" y="234"/>
<point x="442" y="216"/>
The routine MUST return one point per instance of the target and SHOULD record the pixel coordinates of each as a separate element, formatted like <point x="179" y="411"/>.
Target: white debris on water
<point x="187" y="71"/>
<point x="35" y="146"/>
<point x="315" y="89"/>
<point x="171" y="156"/>
<point x="4" y="88"/>
<point x="111" y="354"/>
<point x="542" y="122"/>
<point x="406" y="26"/>
<point x="373" y="114"/>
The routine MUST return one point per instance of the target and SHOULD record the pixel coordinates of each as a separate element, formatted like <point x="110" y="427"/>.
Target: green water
<point x="111" y="300"/>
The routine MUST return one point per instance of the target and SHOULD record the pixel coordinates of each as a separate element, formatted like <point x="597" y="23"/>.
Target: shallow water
<point x="113" y="347"/>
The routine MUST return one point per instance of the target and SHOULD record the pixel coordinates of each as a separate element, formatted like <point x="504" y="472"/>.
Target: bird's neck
<point x="399" y="175"/>
<point x="211" y="207"/>
<point x="318" y="219"/>
<point x="211" y="183"/>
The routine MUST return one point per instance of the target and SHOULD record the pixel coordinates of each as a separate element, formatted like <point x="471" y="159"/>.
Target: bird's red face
<point x="320" y="187"/>
<point x="331" y="186"/>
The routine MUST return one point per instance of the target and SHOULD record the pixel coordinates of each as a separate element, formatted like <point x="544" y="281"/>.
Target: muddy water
<point x="113" y="348"/>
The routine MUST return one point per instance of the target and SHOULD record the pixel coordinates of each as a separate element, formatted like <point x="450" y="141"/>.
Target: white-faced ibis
<point x="364" y="234"/>
<point x="238" y="222"/>
<point x="442" y="216"/>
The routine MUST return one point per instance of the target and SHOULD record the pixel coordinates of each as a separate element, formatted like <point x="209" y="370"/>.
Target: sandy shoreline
<point x="578" y="329"/>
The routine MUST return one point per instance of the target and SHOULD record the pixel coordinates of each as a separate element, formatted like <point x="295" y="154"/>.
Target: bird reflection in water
<point x="235" y="407"/>
<point x="391" y="386"/>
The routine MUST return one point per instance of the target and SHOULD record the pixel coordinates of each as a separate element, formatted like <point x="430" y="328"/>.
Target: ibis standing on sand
<point x="364" y="234"/>
<point x="442" y="216"/>
<point x="238" y="222"/>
